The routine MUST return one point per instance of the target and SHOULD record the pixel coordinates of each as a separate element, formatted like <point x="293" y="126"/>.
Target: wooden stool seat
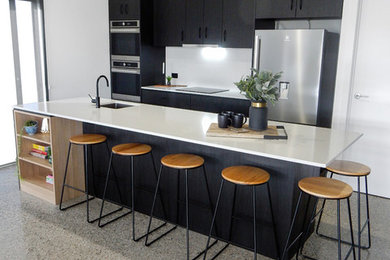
<point x="245" y="175"/>
<point x="348" y="168"/>
<point x="131" y="149"/>
<point x="88" y="139"/>
<point x="325" y="188"/>
<point x="182" y="161"/>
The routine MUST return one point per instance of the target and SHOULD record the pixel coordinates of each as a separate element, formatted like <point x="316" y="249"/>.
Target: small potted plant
<point x="31" y="127"/>
<point x="260" y="88"/>
<point x="169" y="79"/>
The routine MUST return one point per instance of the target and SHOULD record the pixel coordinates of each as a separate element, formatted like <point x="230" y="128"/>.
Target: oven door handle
<point x="129" y="71"/>
<point x="124" y="30"/>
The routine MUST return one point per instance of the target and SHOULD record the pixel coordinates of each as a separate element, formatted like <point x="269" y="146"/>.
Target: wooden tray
<point x="273" y="132"/>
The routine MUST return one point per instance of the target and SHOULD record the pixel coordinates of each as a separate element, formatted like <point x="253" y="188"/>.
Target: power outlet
<point x="175" y="75"/>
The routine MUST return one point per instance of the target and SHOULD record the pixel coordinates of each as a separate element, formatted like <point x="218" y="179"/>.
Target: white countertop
<point x="231" y="93"/>
<point x="306" y="144"/>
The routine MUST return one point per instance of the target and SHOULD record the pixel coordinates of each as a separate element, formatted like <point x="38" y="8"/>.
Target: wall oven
<point x="125" y="59"/>
<point x="125" y="77"/>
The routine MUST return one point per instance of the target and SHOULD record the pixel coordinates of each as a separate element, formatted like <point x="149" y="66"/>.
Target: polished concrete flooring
<point x="34" y="229"/>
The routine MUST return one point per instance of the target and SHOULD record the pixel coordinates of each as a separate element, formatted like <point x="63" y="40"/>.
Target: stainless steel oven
<point x="125" y="59"/>
<point x="125" y="77"/>
<point x="125" y="37"/>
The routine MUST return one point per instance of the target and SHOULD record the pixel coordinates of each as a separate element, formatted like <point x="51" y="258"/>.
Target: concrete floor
<point x="34" y="229"/>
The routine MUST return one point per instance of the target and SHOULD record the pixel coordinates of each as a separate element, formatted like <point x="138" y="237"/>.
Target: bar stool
<point x="324" y="188"/>
<point x="246" y="176"/>
<point x="130" y="150"/>
<point x="87" y="141"/>
<point x="352" y="169"/>
<point x="184" y="162"/>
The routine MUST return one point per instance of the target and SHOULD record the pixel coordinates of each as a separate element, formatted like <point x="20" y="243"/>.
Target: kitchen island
<point x="170" y="130"/>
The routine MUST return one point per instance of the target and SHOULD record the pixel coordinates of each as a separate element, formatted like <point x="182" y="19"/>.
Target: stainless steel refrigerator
<point x="308" y="59"/>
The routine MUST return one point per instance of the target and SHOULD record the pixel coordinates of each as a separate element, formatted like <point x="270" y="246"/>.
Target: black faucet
<point x="97" y="89"/>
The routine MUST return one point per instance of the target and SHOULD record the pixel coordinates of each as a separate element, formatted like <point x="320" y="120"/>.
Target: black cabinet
<point x="275" y="9"/>
<point x="219" y="104"/>
<point x="124" y="9"/>
<point x="169" y="22"/>
<point x="290" y="9"/>
<point x="163" y="98"/>
<point x="195" y="102"/>
<point x="319" y="9"/>
<point x="238" y="23"/>
<point x="203" y="22"/>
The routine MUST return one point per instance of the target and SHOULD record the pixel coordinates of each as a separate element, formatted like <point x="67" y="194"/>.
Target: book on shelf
<point x="50" y="179"/>
<point x="38" y="151"/>
<point x="43" y="148"/>
<point x="38" y="155"/>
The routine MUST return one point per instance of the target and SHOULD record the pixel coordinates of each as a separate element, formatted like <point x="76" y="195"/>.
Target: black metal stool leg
<point x="322" y="211"/>
<point x="287" y="246"/>
<point x="69" y="186"/>
<point x="159" y="191"/>
<point x="110" y="164"/>
<point x="273" y="221"/>
<point x="359" y="219"/>
<point x="303" y="226"/>
<point x="368" y="216"/>
<point x="65" y="173"/>
<point x="306" y="234"/>
<point x="213" y="220"/>
<point x="254" y="223"/>
<point x="151" y="214"/>
<point x="338" y="230"/>
<point x="351" y="230"/>
<point x="187" y="218"/>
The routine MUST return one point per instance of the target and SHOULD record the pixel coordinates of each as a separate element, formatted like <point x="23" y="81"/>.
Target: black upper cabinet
<point x="203" y="22"/>
<point x="238" y="23"/>
<point x="194" y="22"/>
<point x="212" y="22"/>
<point x="169" y="22"/>
<point x="290" y="9"/>
<point x="124" y="9"/>
<point x="272" y="9"/>
<point x="319" y="9"/>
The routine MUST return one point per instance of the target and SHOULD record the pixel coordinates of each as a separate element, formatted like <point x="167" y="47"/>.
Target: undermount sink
<point x="116" y="105"/>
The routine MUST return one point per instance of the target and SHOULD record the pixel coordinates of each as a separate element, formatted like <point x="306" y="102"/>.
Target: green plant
<point x="30" y="123"/>
<point x="260" y="86"/>
<point x="169" y="78"/>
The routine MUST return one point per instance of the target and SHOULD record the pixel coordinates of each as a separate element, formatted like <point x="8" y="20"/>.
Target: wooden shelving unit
<point x="33" y="170"/>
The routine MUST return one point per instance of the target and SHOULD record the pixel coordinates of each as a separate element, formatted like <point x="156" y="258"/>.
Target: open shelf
<point x="38" y="137"/>
<point x="35" y="160"/>
<point x="38" y="181"/>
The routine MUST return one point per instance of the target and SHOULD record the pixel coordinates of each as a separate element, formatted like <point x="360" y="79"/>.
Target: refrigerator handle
<point x="256" y="53"/>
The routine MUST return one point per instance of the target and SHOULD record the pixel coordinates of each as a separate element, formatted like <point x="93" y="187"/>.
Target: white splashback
<point x="208" y="66"/>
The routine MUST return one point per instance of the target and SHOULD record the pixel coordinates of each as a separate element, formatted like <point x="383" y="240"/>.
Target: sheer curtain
<point x="21" y="65"/>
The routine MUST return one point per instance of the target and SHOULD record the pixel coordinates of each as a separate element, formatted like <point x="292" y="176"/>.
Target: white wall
<point x="206" y="66"/>
<point x="77" y="45"/>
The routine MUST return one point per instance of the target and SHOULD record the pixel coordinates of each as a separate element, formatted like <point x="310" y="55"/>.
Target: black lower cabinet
<point x="195" y="102"/>
<point x="163" y="98"/>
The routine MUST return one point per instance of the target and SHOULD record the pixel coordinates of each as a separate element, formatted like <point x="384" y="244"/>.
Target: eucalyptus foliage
<point x="260" y="86"/>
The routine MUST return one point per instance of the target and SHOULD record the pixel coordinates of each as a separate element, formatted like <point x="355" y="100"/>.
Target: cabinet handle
<point x="291" y="4"/>
<point x="182" y="35"/>
<point x="205" y="32"/>
<point x="200" y="32"/>
<point x="300" y="4"/>
<point x="126" y="9"/>
<point x="121" y="9"/>
<point x="224" y="35"/>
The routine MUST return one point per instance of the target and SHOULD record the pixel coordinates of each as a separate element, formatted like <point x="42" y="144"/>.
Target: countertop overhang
<point x="309" y="145"/>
